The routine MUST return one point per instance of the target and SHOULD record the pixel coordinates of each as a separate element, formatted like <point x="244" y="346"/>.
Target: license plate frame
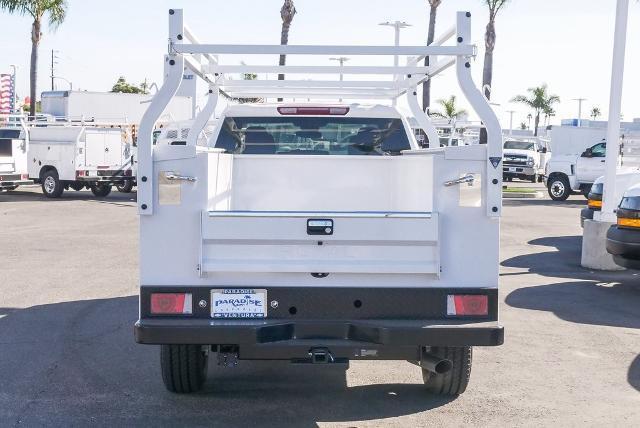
<point x="238" y="303"/>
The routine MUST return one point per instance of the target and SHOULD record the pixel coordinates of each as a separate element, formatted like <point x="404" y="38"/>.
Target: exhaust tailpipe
<point x="435" y="364"/>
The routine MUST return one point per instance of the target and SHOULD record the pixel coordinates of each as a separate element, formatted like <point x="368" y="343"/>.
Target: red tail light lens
<point x="24" y="176"/>
<point x="467" y="305"/>
<point x="311" y="111"/>
<point x="171" y="304"/>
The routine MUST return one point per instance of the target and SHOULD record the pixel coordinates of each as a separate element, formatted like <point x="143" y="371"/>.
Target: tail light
<point x="594" y="204"/>
<point x="171" y="304"/>
<point x="311" y="111"/>
<point x="467" y="305"/>
<point x="24" y="176"/>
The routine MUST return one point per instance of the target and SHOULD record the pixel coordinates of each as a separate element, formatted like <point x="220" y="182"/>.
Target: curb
<point x="522" y="195"/>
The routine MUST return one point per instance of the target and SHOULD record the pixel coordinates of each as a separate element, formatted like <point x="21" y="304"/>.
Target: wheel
<point x="77" y="186"/>
<point x="455" y="381"/>
<point x="184" y="367"/>
<point x="125" y="187"/>
<point x="559" y="188"/>
<point x="534" y="178"/>
<point x="540" y="178"/>
<point x="585" y="190"/>
<point x="51" y="185"/>
<point x="509" y="179"/>
<point x="100" y="190"/>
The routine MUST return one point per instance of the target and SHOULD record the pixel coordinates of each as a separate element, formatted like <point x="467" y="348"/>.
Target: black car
<point x="623" y="238"/>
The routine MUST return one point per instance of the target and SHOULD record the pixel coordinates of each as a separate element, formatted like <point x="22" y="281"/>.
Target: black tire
<point x="184" y="367"/>
<point x="77" y="186"/>
<point x="100" y="190"/>
<point x="52" y="187"/>
<point x="534" y="178"/>
<point x="585" y="190"/>
<point x="559" y="188"/>
<point x="455" y="381"/>
<point x="125" y="187"/>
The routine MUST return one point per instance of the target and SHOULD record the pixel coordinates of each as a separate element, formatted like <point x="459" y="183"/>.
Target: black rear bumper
<point x="624" y="245"/>
<point x="392" y="321"/>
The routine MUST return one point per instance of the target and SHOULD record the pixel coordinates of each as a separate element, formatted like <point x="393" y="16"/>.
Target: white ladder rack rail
<point x="185" y="50"/>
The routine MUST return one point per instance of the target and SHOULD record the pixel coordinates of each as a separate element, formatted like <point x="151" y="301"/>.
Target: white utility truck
<point x="13" y="155"/>
<point x="525" y="158"/>
<point x="96" y="156"/>
<point x="318" y="233"/>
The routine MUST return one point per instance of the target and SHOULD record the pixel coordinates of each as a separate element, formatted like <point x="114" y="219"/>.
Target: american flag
<point x="7" y="89"/>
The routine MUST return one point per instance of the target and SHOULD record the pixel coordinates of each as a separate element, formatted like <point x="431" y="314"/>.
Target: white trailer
<point x="96" y="157"/>
<point x="108" y="106"/>
<point x="318" y="232"/>
<point x="13" y="154"/>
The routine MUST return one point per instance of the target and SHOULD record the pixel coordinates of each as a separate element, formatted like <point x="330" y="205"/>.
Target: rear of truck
<point x="317" y="233"/>
<point x="13" y="158"/>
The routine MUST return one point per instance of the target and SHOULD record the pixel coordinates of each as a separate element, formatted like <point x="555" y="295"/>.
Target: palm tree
<point x="287" y="12"/>
<point x="431" y="34"/>
<point x="540" y="101"/>
<point x="450" y="109"/>
<point x="490" y="44"/>
<point x="56" y="11"/>
<point x="548" y="112"/>
<point x="595" y="113"/>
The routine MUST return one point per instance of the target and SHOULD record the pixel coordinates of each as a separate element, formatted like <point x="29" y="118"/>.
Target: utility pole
<point x="397" y="25"/>
<point x="580" y="101"/>
<point x="511" y="112"/>
<point x="53" y="68"/>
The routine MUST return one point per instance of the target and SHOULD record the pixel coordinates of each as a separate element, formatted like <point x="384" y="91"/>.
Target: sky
<point x="564" y="43"/>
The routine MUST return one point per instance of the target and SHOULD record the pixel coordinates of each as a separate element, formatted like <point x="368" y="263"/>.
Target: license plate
<point x="238" y="303"/>
<point x="512" y="169"/>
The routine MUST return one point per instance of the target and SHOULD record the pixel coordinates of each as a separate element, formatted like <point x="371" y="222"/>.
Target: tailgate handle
<point x="468" y="178"/>
<point x="172" y="176"/>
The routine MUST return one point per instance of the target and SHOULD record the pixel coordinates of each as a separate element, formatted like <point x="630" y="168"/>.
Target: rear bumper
<point x="586" y="214"/>
<point x="519" y="170"/>
<point x="624" y="245"/>
<point x="9" y="183"/>
<point x="310" y="333"/>
<point x="339" y="318"/>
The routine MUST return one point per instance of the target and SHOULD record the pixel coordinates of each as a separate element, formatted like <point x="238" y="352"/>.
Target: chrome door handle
<point x="172" y="176"/>
<point x="469" y="178"/>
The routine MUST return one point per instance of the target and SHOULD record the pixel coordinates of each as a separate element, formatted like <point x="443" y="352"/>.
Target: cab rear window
<point x="312" y="136"/>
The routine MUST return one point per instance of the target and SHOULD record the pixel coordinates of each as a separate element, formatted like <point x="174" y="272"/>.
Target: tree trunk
<point x="487" y="70"/>
<point x="426" y="87"/>
<point x="537" y="122"/>
<point x="284" y="40"/>
<point x="33" y="74"/>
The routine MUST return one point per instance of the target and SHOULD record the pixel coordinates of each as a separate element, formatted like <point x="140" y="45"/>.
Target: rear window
<point x="520" y="145"/>
<point x="312" y="136"/>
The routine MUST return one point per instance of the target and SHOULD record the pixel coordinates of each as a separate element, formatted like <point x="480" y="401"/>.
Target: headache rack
<point x="185" y="51"/>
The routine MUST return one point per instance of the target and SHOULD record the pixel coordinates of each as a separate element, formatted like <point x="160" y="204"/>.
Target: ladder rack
<point x="452" y="48"/>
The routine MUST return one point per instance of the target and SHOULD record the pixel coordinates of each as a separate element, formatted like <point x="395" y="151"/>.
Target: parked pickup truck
<point x="623" y="238"/>
<point x="525" y="159"/>
<point x="318" y="232"/>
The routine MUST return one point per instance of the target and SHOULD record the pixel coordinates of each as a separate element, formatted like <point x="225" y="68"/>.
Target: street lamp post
<point x="580" y="101"/>
<point x="397" y="25"/>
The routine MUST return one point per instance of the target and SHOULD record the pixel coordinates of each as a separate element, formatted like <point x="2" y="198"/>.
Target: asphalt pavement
<point x="68" y="283"/>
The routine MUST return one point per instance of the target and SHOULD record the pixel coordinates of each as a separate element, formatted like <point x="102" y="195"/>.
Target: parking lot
<point x="68" y="302"/>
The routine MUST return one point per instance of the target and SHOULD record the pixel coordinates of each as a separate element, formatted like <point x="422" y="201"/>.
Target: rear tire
<point x="125" y="187"/>
<point x="559" y="188"/>
<point x="534" y="178"/>
<point x="184" y="367"/>
<point x="101" y="190"/>
<point x="455" y="381"/>
<point x="77" y="186"/>
<point x="52" y="187"/>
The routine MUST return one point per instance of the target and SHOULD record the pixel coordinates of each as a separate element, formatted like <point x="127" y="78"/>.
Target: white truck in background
<point x="13" y="155"/>
<point x="577" y="160"/>
<point x="525" y="158"/>
<point x="318" y="233"/>
<point x="94" y="156"/>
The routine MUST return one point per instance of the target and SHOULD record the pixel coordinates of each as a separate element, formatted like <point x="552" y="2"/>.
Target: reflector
<point x="171" y="303"/>
<point x="464" y="305"/>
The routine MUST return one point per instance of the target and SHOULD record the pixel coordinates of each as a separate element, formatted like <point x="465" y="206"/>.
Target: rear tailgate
<point x="399" y="243"/>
